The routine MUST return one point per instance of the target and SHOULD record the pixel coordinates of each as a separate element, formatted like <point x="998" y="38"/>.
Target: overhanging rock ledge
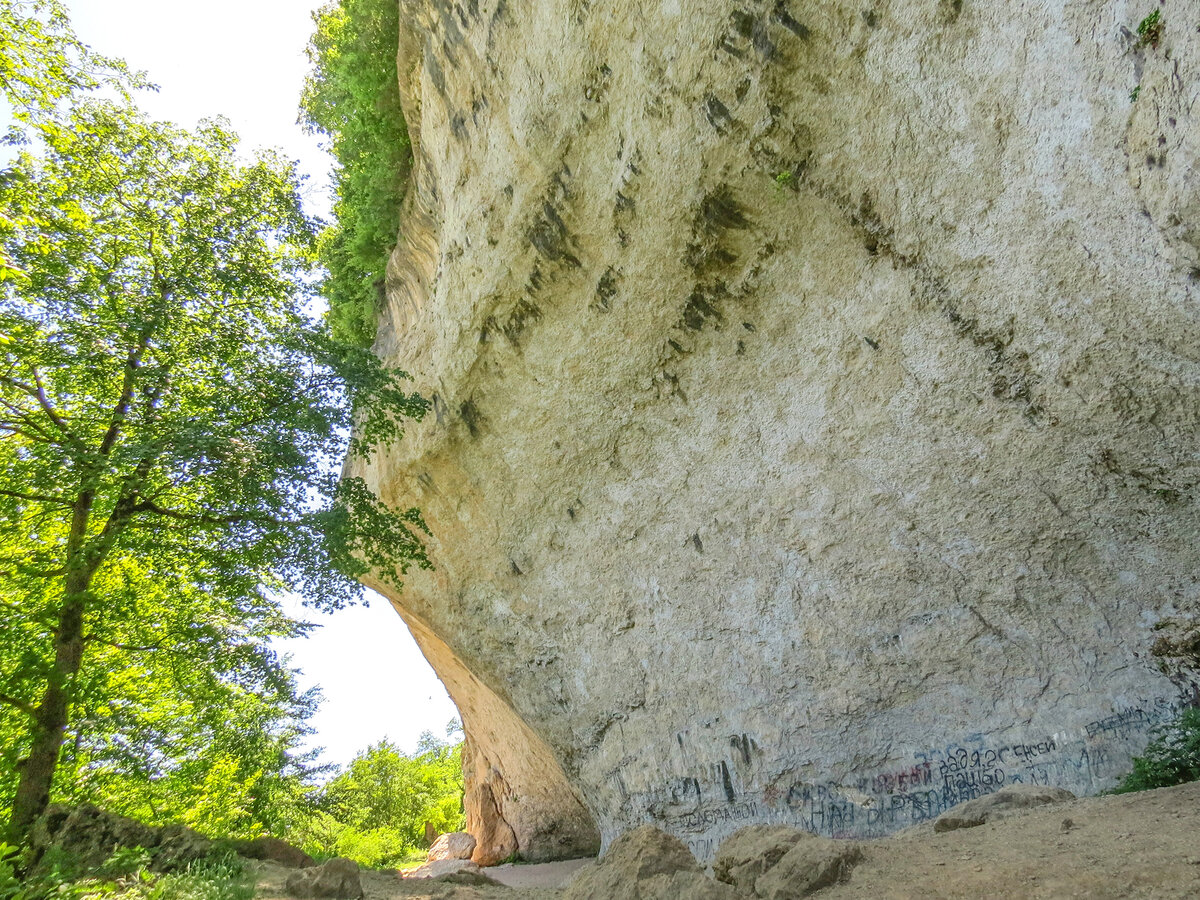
<point x="814" y="432"/>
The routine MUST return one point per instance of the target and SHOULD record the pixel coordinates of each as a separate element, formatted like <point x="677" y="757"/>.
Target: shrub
<point x="1172" y="757"/>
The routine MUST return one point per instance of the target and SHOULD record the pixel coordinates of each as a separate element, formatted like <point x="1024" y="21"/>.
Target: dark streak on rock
<point x="471" y="417"/>
<point x="719" y="211"/>
<point x="784" y="17"/>
<point x="549" y="236"/>
<point x="717" y="113"/>
<point x="523" y="315"/>
<point x="606" y="289"/>
<point x="700" y="310"/>
<point x="727" y="783"/>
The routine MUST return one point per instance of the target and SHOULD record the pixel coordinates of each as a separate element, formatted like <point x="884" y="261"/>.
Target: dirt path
<point x="1133" y="846"/>
<point x="540" y="875"/>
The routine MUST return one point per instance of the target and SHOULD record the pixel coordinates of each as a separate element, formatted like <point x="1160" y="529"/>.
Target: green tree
<point x="184" y="714"/>
<point x="352" y="96"/>
<point x="43" y="63"/>
<point x="376" y="809"/>
<point x="170" y="416"/>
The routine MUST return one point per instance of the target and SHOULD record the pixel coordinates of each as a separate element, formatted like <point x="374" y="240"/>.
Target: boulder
<point x="439" y="868"/>
<point x="750" y="851"/>
<point x="335" y="879"/>
<point x="455" y="845"/>
<point x="646" y="864"/>
<point x="274" y="850"/>
<point x="178" y="846"/>
<point x="85" y="836"/>
<point x="811" y="864"/>
<point x="1004" y="801"/>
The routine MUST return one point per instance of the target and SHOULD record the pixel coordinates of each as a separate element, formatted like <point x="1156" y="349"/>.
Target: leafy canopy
<point x="352" y="96"/>
<point x="375" y="810"/>
<point x="170" y="421"/>
<point x="158" y="357"/>
<point x="43" y="63"/>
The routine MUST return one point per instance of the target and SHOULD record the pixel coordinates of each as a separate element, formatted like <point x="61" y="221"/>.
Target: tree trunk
<point x="50" y="721"/>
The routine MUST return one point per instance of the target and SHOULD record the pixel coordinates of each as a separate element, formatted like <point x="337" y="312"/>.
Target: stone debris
<point x="776" y="862"/>
<point x="335" y="879"/>
<point x="455" y="845"/>
<point x="1006" y="800"/>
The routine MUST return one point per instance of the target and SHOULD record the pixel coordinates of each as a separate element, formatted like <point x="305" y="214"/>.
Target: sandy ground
<point x="1132" y="846"/>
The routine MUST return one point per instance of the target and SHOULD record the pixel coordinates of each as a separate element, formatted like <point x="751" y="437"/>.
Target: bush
<point x="1172" y="757"/>
<point x="127" y="874"/>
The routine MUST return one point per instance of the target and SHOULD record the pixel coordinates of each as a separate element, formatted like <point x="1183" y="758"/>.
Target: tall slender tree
<point x="170" y="414"/>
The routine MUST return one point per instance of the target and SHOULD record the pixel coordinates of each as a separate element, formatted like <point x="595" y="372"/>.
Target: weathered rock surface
<point x="335" y="879"/>
<point x="1006" y="800"/>
<point x="455" y="845"/>
<point x="646" y="864"/>
<point x="815" y="400"/>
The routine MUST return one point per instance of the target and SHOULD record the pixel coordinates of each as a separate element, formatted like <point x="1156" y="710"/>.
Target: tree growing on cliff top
<point x="170" y="417"/>
<point x="352" y="96"/>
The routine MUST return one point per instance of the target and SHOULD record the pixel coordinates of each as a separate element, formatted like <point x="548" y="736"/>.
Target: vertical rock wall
<point x="815" y="400"/>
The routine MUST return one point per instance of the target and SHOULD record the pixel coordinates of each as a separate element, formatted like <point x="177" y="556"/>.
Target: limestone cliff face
<point x="816" y="400"/>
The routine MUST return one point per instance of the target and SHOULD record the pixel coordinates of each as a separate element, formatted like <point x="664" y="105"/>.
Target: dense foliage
<point x="127" y="873"/>
<point x="170" y="423"/>
<point x="375" y="811"/>
<point x="352" y="96"/>
<point x="1172" y="757"/>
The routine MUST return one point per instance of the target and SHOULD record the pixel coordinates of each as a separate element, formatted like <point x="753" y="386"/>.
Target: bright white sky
<point x="244" y="59"/>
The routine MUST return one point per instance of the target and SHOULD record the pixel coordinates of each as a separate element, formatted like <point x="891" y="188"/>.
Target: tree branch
<point x="202" y="519"/>
<point x="37" y="498"/>
<point x="38" y="392"/>
<point x="131" y="647"/>
<point x="132" y="363"/>
<point x="19" y="704"/>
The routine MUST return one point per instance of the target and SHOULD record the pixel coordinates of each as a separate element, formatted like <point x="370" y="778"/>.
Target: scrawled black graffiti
<point x="702" y="820"/>
<point x="877" y="803"/>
